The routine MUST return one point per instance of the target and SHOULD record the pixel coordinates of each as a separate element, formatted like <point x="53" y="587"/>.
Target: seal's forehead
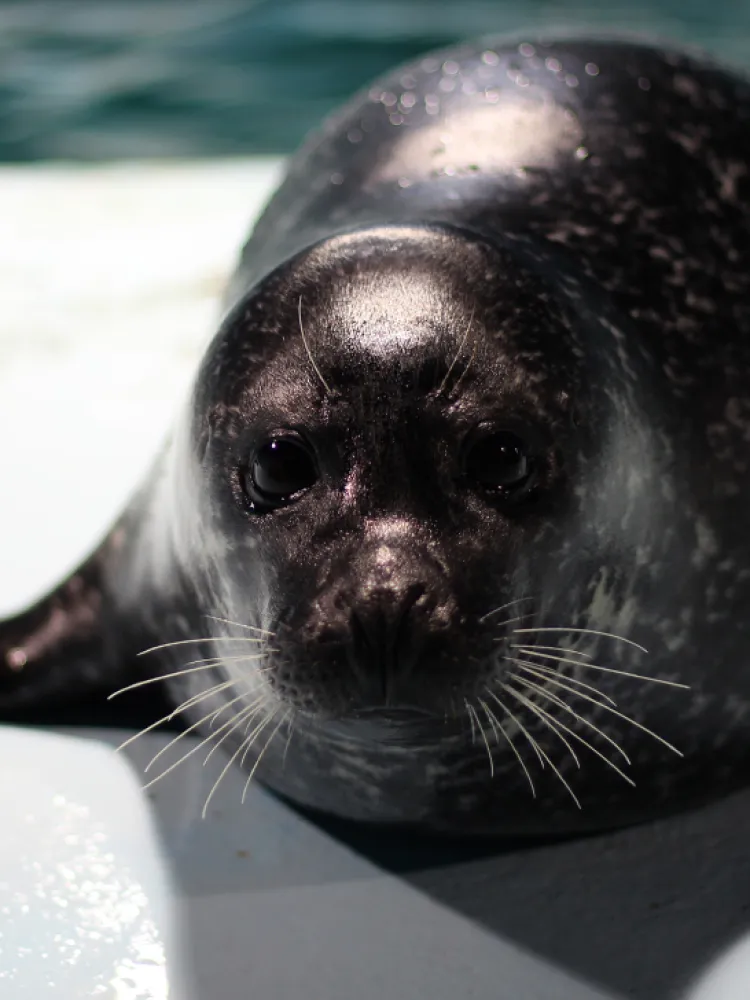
<point x="383" y="291"/>
<point x="388" y="313"/>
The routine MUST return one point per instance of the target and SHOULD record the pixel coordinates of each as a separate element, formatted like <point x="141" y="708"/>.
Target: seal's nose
<point x="385" y="640"/>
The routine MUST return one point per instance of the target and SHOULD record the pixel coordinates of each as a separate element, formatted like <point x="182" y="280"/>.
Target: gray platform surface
<point x="277" y="909"/>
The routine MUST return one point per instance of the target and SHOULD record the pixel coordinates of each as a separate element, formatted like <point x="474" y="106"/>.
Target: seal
<point x="453" y="531"/>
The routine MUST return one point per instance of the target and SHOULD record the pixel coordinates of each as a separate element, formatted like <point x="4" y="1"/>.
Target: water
<point x="95" y="80"/>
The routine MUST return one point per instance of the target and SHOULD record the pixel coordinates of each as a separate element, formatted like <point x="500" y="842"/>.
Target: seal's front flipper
<point x="62" y="657"/>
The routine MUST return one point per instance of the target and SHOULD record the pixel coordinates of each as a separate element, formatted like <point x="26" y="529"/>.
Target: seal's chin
<point x="395" y="725"/>
<point x="396" y="714"/>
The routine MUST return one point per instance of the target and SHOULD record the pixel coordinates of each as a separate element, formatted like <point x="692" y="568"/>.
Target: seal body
<point x="454" y="530"/>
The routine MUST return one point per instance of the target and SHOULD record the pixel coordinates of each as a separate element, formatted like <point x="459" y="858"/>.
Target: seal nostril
<point x="383" y="640"/>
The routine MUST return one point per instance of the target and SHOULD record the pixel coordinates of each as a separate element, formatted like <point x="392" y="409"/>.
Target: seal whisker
<point x="206" y="664"/>
<point x="260" y="755"/>
<point x="471" y="720"/>
<point x="510" y="621"/>
<point x="198" y="746"/>
<point x="534" y="745"/>
<point x="502" y="607"/>
<point x="237" y="719"/>
<point x="497" y="729"/>
<point x="541" y="670"/>
<point x="288" y="740"/>
<point x="258" y="698"/>
<point x="515" y="694"/>
<point x="584" y="631"/>
<point x="621" y="715"/>
<point x="250" y="628"/>
<point x="258" y="709"/>
<point x="250" y="738"/>
<point x="540" y="690"/>
<point x="161" y="677"/>
<point x="200" y="696"/>
<point x="609" y="670"/>
<point x="217" y="661"/>
<point x="473" y="713"/>
<point x="549" y="721"/>
<point x="557" y="700"/>
<point x="464" y="373"/>
<point x="227" y="766"/>
<point x="458" y="354"/>
<point x="318" y="372"/>
<point x="188" y="642"/>
<point x="552" y="649"/>
<point x="211" y="717"/>
<point x="188" y="703"/>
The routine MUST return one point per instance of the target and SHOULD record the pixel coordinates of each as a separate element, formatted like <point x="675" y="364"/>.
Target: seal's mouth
<point x="402" y="724"/>
<point x="394" y="713"/>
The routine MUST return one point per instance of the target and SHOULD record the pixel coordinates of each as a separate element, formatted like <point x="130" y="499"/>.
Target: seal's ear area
<point x="62" y="657"/>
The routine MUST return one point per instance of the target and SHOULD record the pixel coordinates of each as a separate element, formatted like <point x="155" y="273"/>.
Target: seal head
<point x="407" y="443"/>
<point x="386" y="456"/>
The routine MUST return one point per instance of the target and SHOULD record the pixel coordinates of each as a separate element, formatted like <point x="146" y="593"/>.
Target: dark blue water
<point x="96" y="79"/>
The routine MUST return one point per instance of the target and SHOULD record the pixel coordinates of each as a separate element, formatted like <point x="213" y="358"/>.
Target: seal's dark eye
<point x="500" y="463"/>
<point x="278" y="470"/>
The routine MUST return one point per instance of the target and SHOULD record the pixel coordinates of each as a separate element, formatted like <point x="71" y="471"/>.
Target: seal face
<point x="424" y="447"/>
<point x="453" y="531"/>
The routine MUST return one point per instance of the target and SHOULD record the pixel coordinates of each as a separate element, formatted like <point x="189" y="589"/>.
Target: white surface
<point x="261" y="904"/>
<point x="86" y="907"/>
<point x="109" y="282"/>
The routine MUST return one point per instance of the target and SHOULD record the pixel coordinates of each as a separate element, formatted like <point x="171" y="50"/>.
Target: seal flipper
<point x="62" y="657"/>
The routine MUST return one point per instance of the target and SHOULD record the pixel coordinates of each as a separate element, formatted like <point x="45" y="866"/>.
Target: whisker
<point x="608" y="670"/>
<point x="463" y="374"/>
<point x="474" y="716"/>
<point x="574" y="734"/>
<point x="206" y="664"/>
<point x="318" y="372"/>
<point x="510" y="621"/>
<point x="202" y="695"/>
<point x="514" y="694"/>
<point x="161" y="677"/>
<point x="557" y="700"/>
<point x="553" y="649"/>
<point x="495" y="611"/>
<point x="250" y="628"/>
<point x="497" y="728"/>
<point x="250" y="739"/>
<point x="237" y="720"/>
<point x="533" y="743"/>
<point x="626" y="718"/>
<point x="260" y="755"/>
<point x="288" y="741"/>
<point x="195" y="749"/>
<point x="621" y="715"/>
<point x="458" y="353"/>
<point x="190" y="642"/>
<point x="471" y="720"/>
<point x="210" y="717"/>
<point x="548" y="720"/>
<point x="551" y="672"/>
<point x="585" y="631"/>
<point x="221" y="658"/>
<point x="229" y="763"/>
<point x="188" y="703"/>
